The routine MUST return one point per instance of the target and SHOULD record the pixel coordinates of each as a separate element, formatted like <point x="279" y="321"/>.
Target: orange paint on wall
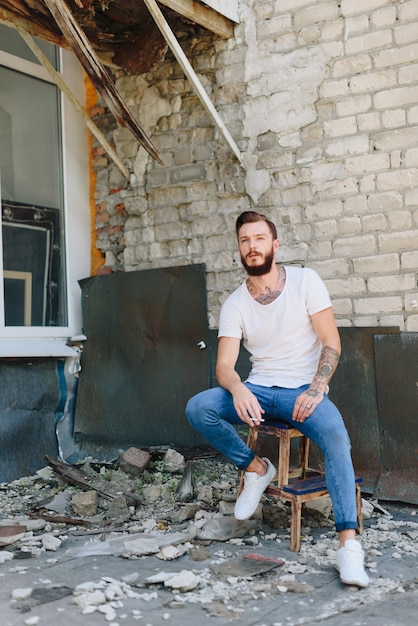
<point x="96" y="260"/>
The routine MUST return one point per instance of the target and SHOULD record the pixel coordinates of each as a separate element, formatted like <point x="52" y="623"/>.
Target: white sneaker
<point x="254" y="487"/>
<point x="350" y="564"/>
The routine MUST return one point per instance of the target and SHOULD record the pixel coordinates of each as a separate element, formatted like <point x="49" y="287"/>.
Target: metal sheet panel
<point x="353" y="389"/>
<point x="29" y="395"/>
<point x="397" y="384"/>
<point x="141" y="361"/>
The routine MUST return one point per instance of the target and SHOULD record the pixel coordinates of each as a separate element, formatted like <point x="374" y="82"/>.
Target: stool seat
<point x="298" y="484"/>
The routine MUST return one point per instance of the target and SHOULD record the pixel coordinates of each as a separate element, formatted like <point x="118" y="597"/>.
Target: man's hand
<point x="247" y="405"/>
<point x="306" y="404"/>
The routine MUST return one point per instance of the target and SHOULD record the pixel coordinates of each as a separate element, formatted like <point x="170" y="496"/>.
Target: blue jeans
<point x="213" y="415"/>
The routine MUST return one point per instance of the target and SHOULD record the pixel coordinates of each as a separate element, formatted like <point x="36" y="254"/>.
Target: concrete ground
<point x="304" y="589"/>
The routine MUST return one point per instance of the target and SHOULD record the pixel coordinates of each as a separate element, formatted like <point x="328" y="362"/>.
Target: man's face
<point x="257" y="248"/>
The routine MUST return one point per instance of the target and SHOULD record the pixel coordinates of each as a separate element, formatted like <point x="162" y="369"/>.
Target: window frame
<point x="46" y="340"/>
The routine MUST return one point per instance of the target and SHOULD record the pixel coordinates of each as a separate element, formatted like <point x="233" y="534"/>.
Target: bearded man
<point x="284" y="317"/>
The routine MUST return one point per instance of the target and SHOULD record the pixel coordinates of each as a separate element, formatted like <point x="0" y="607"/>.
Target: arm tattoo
<point x="327" y="365"/>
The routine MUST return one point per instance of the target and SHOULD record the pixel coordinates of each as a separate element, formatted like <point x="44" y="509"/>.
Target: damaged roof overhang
<point x="122" y="32"/>
<point x="128" y="34"/>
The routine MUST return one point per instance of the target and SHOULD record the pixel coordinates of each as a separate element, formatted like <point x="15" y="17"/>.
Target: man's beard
<point x="259" y="270"/>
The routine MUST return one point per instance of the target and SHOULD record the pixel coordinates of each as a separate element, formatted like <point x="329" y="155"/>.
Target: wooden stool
<point x="310" y="484"/>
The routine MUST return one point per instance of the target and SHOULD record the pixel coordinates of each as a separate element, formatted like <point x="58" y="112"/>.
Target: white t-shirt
<point x="279" y="336"/>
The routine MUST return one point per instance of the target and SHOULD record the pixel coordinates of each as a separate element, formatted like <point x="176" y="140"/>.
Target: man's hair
<point x="252" y="216"/>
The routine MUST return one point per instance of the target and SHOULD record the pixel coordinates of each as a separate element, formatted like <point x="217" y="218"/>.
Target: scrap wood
<point x="58" y="518"/>
<point x="74" y="476"/>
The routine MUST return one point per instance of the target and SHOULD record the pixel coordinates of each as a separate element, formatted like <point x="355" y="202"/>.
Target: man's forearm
<point x="227" y="377"/>
<point x="327" y="365"/>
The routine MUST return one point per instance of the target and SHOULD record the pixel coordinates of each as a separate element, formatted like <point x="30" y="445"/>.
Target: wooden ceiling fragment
<point x="119" y="34"/>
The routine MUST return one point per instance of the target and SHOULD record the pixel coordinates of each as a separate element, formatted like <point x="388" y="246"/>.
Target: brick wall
<point x="321" y="98"/>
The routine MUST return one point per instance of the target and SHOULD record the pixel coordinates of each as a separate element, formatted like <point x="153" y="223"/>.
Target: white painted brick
<point x="395" y="159"/>
<point x="405" y="34"/>
<point x="274" y="26"/>
<point x="348" y="146"/>
<point x="158" y="251"/>
<point x="377" y="305"/>
<point x="351" y="7"/>
<point x="393" y="118"/>
<point x="359" y="103"/>
<point x="378" y="264"/>
<point x="393" y="283"/>
<point x="321" y="210"/>
<point x="331" y="268"/>
<point x="385" y="201"/>
<point x="351" y="66"/>
<point x="400" y="220"/>
<point x="325" y="229"/>
<point x="337" y="188"/>
<point x="368" y="163"/>
<point x="401" y="241"/>
<point x="318" y="13"/>
<point x="369" y="41"/>
<point x="383" y="17"/>
<point x="288" y="6"/>
<point x="368" y="122"/>
<point x="347" y="286"/>
<point x="396" y="321"/>
<point x="319" y="250"/>
<point x="349" y="226"/>
<point x="408" y="74"/>
<point x="374" y="223"/>
<point x="397" y="179"/>
<point x="402" y="96"/>
<point x="340" y="127"/>
<point x="332" y="30"/>
<point x="411" y="157"/>
<point x="411" y="198"/>
<point x="342" y="306"/>
<point x="363" y="321"/>
<point x="353" y="246"/>
<point x="412" y="323"/>
<point x="409" y="260"/>
<point x="410" y="301"/>
<point x="373" y="81"/>
<point x="367" y="184"/>
<point x="396" y="56"/>
<point x="332" y="88"/>
<point x="399" y="138"/>
<point x="356" y="25"/>
<point x="408" y="11"/>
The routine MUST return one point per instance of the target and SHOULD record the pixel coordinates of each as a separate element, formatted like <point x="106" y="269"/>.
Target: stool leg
<point x="295" y="523"/>
<point x="359" y="513"/>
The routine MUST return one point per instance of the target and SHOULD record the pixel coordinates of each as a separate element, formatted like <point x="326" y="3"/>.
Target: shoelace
<point x="249" y="486"/>
<point x="353" y="557"/>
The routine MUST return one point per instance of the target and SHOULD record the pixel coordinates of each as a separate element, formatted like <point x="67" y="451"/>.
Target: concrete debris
<point x="85" y="504"/>
<point x="203" y="548"/>
<point x="174" y="462"/>
<point x="134" y="461"/>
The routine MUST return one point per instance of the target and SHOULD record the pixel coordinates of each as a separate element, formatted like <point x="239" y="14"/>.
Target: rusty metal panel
<point x="353" y="389"/>
<point x="397" y="384"/>
<point x="142" y="360"/>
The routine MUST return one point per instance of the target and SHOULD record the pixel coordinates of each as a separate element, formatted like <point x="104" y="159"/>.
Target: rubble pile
<point x="163" y="507"/>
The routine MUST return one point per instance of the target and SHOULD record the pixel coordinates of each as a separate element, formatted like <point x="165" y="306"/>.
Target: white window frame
<point x="45" y="340"/>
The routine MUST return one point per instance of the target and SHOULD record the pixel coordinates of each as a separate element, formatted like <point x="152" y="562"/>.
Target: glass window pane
<point x="12" y="42"/>
<point x="32" y="205"/>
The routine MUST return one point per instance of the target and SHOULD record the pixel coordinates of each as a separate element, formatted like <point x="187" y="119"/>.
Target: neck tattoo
<point x="268" y="295"/>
